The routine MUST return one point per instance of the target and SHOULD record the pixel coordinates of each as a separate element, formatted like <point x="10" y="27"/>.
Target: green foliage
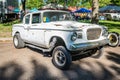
<point x="88" y="3"/>
<point x="38" y="3"/>
<point x="74" y="2"/>
<point x="11" y="23"/>
<point x="103" y="3"/>
<point x="30" y="4"/>
<point x="80" y="3"/>
<point x="5" y="31"/>
<point x="116" y="2"/>
<point x="63" y="2"/>
<point x="6" y="28"/>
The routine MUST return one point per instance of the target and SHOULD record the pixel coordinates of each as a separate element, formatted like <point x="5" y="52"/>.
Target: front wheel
<point x="61" y="58"/>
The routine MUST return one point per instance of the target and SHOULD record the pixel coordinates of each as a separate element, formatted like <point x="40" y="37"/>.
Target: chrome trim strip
<point x="47" y="29"/>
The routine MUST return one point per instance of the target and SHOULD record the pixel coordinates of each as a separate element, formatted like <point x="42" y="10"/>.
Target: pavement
<point x="30" y="64"/>
<point x="6" y="39"/>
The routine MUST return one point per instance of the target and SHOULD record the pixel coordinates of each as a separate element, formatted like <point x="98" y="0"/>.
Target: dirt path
<point x="30" y="64"/>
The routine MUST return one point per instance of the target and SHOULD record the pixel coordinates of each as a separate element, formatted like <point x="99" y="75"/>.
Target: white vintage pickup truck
<point x="56" y="32"/>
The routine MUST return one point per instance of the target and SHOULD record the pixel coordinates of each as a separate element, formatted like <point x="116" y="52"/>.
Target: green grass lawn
<point x="6" y="28"/>
<point x="5" y="31"/>
<point x="112" y="25"/>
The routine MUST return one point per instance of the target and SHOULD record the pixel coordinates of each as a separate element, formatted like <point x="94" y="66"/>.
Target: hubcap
<point x="60" y="58"/>
<point x="15" y="41"/>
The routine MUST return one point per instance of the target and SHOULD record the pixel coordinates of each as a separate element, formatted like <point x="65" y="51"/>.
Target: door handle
<point x="34" y="25"/>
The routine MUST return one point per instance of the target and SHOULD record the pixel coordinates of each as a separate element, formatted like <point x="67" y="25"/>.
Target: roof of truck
<point x="50" y="11"/>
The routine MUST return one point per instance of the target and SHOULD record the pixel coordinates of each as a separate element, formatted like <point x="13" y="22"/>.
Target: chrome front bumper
<point x="88" y="45"/>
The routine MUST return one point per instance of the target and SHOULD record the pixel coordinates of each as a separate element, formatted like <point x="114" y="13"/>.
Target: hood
<point x="74" y="25"/>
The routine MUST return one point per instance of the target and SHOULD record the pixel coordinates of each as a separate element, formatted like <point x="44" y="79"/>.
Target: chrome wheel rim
<point x="60" y="58"/>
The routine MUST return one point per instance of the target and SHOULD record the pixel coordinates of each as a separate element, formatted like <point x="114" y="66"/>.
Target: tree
<point x="23" y="4"/>
<point x="95" y="9"/>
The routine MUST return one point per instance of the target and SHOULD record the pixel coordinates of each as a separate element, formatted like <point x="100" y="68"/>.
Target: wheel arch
<point x="60" y="41"/>
<point x="17" y="32"/>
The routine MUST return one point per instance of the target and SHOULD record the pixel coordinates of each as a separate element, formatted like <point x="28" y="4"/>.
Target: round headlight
<point x="74" y="36"/>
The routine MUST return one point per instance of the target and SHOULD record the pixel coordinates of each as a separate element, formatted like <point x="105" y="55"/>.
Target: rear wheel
<point x="61" y="58"/>
<point x="18" y="42"/>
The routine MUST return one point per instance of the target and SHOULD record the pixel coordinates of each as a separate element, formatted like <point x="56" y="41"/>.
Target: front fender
<point x="65" y="36"/>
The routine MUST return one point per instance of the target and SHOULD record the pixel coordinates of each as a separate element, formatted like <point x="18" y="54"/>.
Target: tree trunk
<point x="95" y="11"/>
<point x="23" y="4"/>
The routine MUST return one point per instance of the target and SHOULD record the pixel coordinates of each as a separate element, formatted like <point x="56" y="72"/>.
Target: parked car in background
<point x="112" y="16"/>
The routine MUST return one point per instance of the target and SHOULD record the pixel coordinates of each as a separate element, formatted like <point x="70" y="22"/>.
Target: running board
<point x="52" y="45"/>
<point x="43" y="50"/>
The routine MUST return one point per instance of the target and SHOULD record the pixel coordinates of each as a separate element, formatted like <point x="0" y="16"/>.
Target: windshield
<point x="56" y="16"/>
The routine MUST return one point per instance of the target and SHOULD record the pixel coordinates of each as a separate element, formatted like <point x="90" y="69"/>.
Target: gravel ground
<point x="30" y="64"/>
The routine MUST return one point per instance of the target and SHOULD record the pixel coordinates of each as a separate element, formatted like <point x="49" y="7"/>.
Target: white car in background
<point x="55" y="31"/>
<point x="112" y="16"/>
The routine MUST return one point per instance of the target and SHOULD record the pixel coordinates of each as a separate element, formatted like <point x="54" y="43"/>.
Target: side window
<point x="27" y="19"/>
<point x="36" y="18"/>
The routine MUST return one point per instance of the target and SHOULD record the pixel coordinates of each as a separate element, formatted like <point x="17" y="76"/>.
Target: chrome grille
<point x="93" y="33"/>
